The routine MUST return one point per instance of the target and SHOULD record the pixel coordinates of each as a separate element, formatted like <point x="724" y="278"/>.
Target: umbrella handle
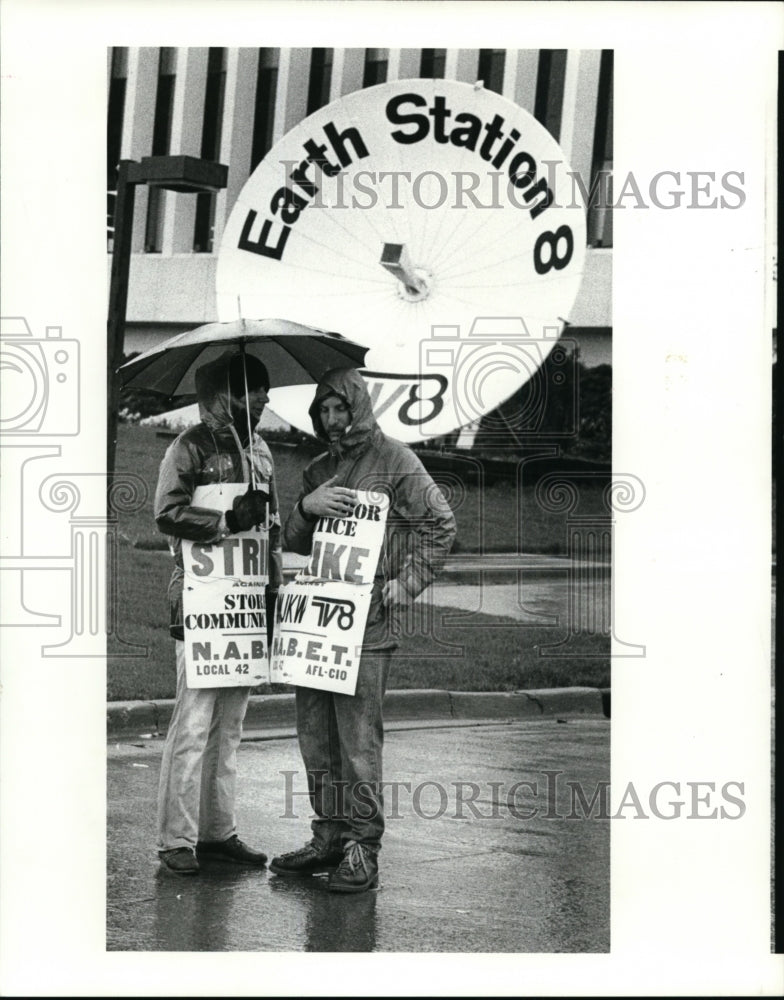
<point x="247" y="414"/>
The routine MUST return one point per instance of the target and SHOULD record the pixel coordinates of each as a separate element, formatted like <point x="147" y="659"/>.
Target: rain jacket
<point x="213" y="451"/>
<point x="420" y="527"/>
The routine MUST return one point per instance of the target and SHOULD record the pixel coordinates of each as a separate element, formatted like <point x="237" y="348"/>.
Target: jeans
<point x="197" y="788"/>
<point x="341" y="739"/>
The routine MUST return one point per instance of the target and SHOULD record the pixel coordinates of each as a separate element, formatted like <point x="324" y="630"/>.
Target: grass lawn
<point x="497" y="518"/>
<point x="492" y="654"/>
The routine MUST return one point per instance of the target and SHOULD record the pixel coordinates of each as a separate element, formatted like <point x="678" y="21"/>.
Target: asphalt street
<point x="473" y="859"/>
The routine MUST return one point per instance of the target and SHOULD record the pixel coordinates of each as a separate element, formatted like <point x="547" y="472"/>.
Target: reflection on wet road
<point x="478" y="856"/>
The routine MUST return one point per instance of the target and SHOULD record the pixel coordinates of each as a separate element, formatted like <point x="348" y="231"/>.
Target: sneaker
<point x="181" y="860"/>
<point x="306" y="861"/>
<point x="231" y="849"/>
<point x="357" y="872"/>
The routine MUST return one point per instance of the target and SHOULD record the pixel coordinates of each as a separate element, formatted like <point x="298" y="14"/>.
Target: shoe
<point x="181" y="860"/>
<point x="306" y="861"/>
<point x="231" y="849"/>
<point x="357" y="872"/>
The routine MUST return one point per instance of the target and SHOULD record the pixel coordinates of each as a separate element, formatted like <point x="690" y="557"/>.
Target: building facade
<point x="233" y="104"/>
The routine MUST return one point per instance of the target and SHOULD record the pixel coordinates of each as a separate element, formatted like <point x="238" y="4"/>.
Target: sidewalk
<point x="478" y="855"/>
<point x="475" y="857"/>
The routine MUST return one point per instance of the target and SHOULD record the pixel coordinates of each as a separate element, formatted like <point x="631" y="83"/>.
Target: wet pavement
<point x="542" y="601"/>
<point x="481" y="866"/>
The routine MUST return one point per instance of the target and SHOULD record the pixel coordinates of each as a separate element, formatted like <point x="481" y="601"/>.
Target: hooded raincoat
<point x="420" y="526"/>
<point x="214" y="451"/>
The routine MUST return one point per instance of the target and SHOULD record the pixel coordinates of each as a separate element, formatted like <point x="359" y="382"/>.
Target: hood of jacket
<point x="218" y="380"/>
<point x="349" y="385"/>
<point x="213" y="392"/>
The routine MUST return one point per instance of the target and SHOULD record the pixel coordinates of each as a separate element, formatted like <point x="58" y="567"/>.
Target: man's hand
<point x="329" y="501"/>
<point x="394" y="593"/>
<point x="248" y="509"/>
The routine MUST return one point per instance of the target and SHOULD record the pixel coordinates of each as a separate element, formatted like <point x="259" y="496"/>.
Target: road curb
<point x="276" y="711"/>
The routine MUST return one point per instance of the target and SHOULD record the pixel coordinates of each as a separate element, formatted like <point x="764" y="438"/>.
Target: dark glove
<point x="248" y="509"/>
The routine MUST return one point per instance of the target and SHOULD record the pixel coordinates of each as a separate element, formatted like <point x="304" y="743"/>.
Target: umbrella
<point x="293" y="353"/>
<point x="434" y="221"/>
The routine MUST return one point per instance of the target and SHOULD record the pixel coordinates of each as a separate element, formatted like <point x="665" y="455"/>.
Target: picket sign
<point x="224" y="612"/>
<point x="320" y="617"/>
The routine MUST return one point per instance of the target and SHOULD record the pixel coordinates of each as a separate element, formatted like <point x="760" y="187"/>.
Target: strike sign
<point x="224" y="611"/>
<point x="320" y="617"/>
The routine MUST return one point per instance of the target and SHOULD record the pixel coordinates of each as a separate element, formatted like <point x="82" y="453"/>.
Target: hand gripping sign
<point x="224" y="613"/>
<point x="320" y="617"/>
<point x="409" y="213"/>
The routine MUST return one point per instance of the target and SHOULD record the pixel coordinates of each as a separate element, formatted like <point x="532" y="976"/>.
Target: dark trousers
<point x="341" y="738"/>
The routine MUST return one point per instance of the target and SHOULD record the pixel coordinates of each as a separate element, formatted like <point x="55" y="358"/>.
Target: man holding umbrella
<point x="196" y="795"/>
<point x="341" y="736"/>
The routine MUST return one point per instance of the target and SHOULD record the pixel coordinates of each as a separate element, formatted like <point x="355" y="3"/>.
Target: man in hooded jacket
<point x="341" y="736"/>
<point x="196" y="795"/>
